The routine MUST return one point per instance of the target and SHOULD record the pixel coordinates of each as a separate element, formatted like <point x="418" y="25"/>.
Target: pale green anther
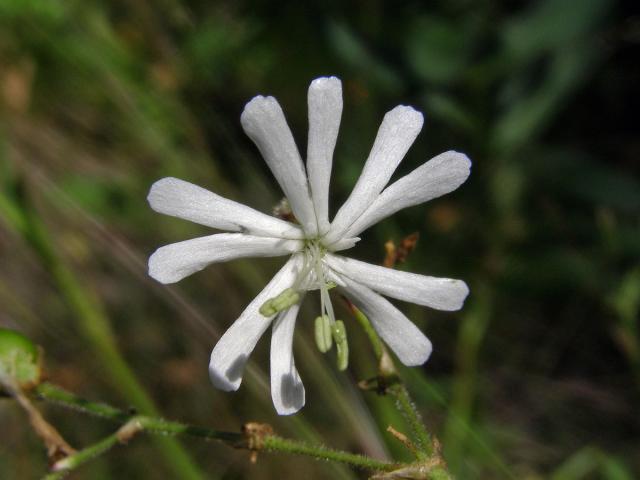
<point x="267" y="309"/>
<point x="342" y="346"/>
<point x="339" y="332"/>
<point x="324" y="339"/>
<point x="277" y="304"/>
<point x="342" y="358"/>
<point x="331" y="285"/>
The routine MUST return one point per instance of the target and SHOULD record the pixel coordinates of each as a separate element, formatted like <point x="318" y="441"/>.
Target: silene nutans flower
<point x="314" y="245"/>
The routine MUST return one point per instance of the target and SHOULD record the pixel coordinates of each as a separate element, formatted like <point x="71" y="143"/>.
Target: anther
<point x="324" y="339"/>
<point x="277" y="304"/>
<point x="339" y="334"/>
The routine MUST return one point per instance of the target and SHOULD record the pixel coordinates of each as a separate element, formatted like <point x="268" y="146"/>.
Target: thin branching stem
<point x="271" y="443"/>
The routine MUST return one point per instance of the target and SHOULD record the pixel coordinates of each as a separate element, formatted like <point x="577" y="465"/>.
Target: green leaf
<point x="437" y="49"/>
<point x="19" y="359"/>
<point x="551" y="24"/>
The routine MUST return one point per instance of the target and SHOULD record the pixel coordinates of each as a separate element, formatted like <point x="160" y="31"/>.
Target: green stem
<point x="274" y="443"/>
<point x="398" y="391"/>
<point x="376" y="343"/>
<point x="271" y="443"/>
<point x="65" y="466"/>
<point x="405" y="405"/>
<point x="91" y="320"/>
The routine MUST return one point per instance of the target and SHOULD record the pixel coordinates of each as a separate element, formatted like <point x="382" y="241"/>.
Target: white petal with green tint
<point x="263" y="121"/>
<point x="439" y="293"/>
<point x="439" y="176"/>
<point x="176" y="261"/>
<point x="398" y="130"/>
<point x="185" y="200"/>
<point x="396" y="330"/>
<point x="287" y="390"/>
<point x="230" y="354"/>
<point x="325" y="110"/>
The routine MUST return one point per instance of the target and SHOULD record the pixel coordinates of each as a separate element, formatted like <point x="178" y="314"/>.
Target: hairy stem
<point x="269" y="442"/>
<point x="91" y="319"/>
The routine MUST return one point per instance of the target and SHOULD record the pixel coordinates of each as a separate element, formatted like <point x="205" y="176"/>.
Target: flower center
<point x="314" y="253"/>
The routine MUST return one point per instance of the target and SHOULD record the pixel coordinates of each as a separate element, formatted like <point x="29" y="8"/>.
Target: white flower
<point x="314" y="263"/>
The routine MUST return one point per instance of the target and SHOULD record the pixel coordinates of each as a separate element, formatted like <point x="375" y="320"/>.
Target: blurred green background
<point x="537" y="377"/>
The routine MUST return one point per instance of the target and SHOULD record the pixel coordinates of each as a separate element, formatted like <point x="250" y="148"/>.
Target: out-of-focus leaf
<point x="588" y="461"/>
<point x="614" y="469"/>
<point x="437" y="49"/>
<point x="626" y="298"/>
<point x="354" y="52"/>
<point x="528" y="116"/>
<point x="552" y="271"/>
<point x="210" y="50"/>
<point x="19" y="359"/>
<point x="551" y="24"/>
<point x="578" y="465"/>
<point x="571" y="173"/>
<point x="447" y="110"/>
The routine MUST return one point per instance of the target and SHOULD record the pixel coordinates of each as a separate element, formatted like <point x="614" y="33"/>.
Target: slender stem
<point x="92" y="322"/>
<point x="274" y="443"/>
<point x="271" y="443"/>
<point x="403" y="401"/>
<point x="65" y="466"/>
<point x="376" y="343"/>
<point x="414" y="419"/>
<point x="57" y="395"/>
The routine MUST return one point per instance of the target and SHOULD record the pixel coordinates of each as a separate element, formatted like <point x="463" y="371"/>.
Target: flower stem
<point x="397" y="389"/>
<point x="270" y="443"/>
<point x="91" y="319"/>
<point x="65" y="466"/>
<point x="274" y="443"/>
<point x="374" y="339"/>
<point x="411" y="414"/>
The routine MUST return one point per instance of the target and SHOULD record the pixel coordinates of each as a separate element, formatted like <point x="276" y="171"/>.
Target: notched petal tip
<point x="259" y="105"/>
<point x="459" y="294"/>
<point x="326" y="83"/>
<point x="459" y="161"/>
<point x="406" y="115"/>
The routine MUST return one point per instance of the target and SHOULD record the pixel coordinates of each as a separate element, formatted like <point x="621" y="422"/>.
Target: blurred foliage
<point x="537" y="377"/>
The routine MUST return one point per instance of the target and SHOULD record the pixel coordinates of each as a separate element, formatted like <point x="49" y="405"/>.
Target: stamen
<point x="342" y="346"/>
<point x="324" y="338"/>
<point x="277" y="304"/>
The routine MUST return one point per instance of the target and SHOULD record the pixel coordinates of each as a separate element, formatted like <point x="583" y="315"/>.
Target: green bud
<point x="324" y="339"/>
<point x="342" y="346"/>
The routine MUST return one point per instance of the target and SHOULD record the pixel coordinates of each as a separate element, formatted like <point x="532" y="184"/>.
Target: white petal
<point x="263" y="121"/>
<point x="439" y="293"/>
<point x="398" y="130"/>
<point x="174" y="262"/>
<point x="185" y="200"/>
<point x="344" y="243"/>
<point x="325" y="110"/>
<point x="287" y="390"/>
<point x="440" y="175"/>
<point x="233" y="349"/>
<point x="397" y="331"/>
